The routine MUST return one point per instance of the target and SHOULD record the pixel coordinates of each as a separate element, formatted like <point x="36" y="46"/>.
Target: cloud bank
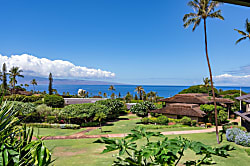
<point x="41" y="67"/>
<point x="233" y="80"/>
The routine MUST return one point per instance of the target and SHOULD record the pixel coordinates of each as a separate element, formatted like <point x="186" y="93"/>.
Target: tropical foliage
<point x="142" y="109"/>
<point x="163" y="152"/>
<point x="246" y="35"/>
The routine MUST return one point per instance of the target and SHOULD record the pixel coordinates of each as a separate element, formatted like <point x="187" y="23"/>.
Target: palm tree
<point x="245" y="34"/>
<point x="139" y="90"/>
<point x="206" y="82"/>
<point x="100" y="116"/>
<point x="112" y="88"/>
<point x="105" y="95"/>
<point x="14" y="73"/>
<point x="204" y="9"/>
<point x="33" y="82"/>
<point x="152" y="96"/>
<point x="99" y="93"/>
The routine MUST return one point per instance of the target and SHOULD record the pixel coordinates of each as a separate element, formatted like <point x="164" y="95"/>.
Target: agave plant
<point x="16" y="144"/>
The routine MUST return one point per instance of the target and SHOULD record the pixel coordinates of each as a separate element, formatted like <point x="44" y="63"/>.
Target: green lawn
<point x="55" y="131"/>
<point x="125" y="126"/>
<point x="84" y="152"/>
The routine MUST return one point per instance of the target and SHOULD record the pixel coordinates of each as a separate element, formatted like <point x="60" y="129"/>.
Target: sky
<point x="139" y="42"/>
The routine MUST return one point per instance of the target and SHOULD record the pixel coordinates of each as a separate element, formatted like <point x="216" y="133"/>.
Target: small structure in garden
<point x="179" y="110"/>
<point x="245" y="114"/>
<point x="189" y="105"/>
<point x="68" y="101"/>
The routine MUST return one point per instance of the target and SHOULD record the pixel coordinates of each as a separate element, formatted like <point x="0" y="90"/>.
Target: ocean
<point x="163" y="91"/>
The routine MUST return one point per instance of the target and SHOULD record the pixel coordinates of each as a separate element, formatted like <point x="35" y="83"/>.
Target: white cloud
<point x="234" y="80"/>
<point x="34" y="66"/>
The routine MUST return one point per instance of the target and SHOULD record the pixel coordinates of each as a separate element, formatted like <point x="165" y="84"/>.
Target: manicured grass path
<point x="85" y="152"/>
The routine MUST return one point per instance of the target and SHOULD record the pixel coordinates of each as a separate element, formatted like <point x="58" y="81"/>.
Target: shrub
<point x="230" y="125"/>
<point x="145" y="120"/>
<point x="23" y="98"/>
<point x="200" y="123"/>
<point x="51" y="119"/>
<point x="47" y="125"/>
<point x="248" y="151"/>
<point x="54" y="101"/>
<point x="243" y="139"/>
<point x="152" y="120"/>
<point x="174" y="120"/>
<point x="186" y="121"/>
<point x="43" y="110"/>
<point x="194" y="122"/>
<point x="209" y="125"/>
<point x="162" y="120"/>
<point x="90" y="124"/>
<point x="231" y="133"/>
<point x="24" y="108"/>
<point x="222" y="116"/>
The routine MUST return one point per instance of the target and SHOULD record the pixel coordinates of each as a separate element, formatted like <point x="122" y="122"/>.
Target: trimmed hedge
<point x="47" y="125"/>
<point x="54" y="101"/>
<point x="23" y="98"/>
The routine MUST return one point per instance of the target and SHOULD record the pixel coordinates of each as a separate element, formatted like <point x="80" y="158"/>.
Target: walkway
<point x="82" y="135"/>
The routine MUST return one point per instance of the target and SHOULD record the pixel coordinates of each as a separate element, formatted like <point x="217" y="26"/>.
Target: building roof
<point x="237" y="2"/>
<point x="81" y="100"/>
<point x="181" y="109"/>
<point x="245" y="98"/>
<point x="244" y="115"/>
<point x="195" y="98"/>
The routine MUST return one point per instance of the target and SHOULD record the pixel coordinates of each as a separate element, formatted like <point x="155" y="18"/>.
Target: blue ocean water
<point x="164" y="91"/>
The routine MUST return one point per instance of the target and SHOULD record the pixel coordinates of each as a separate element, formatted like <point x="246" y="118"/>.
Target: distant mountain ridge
<point x="42" y="81"/>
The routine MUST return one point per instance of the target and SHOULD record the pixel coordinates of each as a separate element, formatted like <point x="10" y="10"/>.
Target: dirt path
<point x="81" y="135"/>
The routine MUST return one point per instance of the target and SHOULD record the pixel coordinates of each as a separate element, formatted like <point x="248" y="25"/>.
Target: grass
<point x="84" y="152"/>
<point x="55" y="131"/>
<point x="125" y="126"/>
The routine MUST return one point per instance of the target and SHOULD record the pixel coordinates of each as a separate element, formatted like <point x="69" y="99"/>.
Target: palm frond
<point x="247" y="25"/>
<point x="197" y="23"/>
<point x="186" y="16"/>
<point x="212" y="6"/>
<point x="241" y="32"/>
<point x="190" y="21"/>
<point x="243" y="38"/>
<point x="194" y="4"/>
<point x="216" y="14"/>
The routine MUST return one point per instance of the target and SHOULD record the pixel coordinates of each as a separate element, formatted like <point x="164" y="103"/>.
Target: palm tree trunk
<point x="211" y="78"/>
<point x="14" y="80"/>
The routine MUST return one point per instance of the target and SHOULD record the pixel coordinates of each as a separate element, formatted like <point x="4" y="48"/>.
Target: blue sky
<point x="138" y="41"/>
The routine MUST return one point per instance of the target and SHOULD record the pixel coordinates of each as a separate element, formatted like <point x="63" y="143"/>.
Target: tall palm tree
<point x="105" y="95"/>
<point x="139" y="90"/>
<point x="99" y="93"/>
<point x="204" y="9"/>
<point x="246" y="35"/>
<point x="14" y="73"/>
<point x="33" y="82"/>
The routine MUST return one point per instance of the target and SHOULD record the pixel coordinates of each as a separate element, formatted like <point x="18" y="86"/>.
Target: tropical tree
<point x="246" y="35"/>
<point x="105" y="95"/>
<point x="14" y="73"/>
<point x="206" y="82"/>
<point x="99" y="93"/>
<point x="112" y="95"/>
<point x="152" y="96"/>
<point x="112" y="88"/>
<point x="50" y="84"/>
<point x="100" y="116"/>
<point x="4" y="77"/>
<point x="204" y="9"/>
<point x="139" y="90"/>
<point x="33" y="82"/>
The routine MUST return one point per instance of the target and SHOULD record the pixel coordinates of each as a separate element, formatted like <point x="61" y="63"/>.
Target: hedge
<point x="54" y="101"/>
<point x="47" y="125"/>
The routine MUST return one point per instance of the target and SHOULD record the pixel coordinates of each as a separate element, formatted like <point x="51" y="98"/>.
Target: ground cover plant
<point x="165" y="152"/>
<point x="238" y="136"/>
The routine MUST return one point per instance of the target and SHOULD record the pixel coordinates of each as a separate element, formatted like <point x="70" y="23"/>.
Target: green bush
<point x="142" y="109"/>
<point x="23" y="98"/>
<point x="90" y="124"/>
<point x="25" y="109"/>
<point x="230" y="125"/>
<point x="163" y="120"/>
<point x="222" y="116"/>
<point x="54" y="101"/>
<point x="145" y="120"/>
<point x="152" y="120"/>
<point x="248" y="151"/>
<point x="51" y="119"/>
<point x="47" y="125"/>
<point x="194" y="122"/>
<point x="174" y="120"/>
<point x="186" y="121"/>
<point x="43" y="110"/>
